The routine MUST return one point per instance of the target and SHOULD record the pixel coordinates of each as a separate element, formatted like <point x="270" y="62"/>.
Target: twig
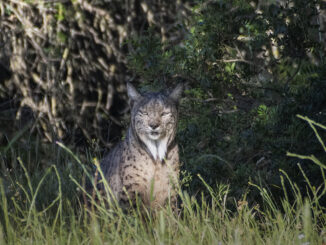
<point x="293" y="75"/>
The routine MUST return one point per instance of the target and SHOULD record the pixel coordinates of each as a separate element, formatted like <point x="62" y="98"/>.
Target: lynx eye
<point x="165" y="113"/>
<point x="143" y="113"/>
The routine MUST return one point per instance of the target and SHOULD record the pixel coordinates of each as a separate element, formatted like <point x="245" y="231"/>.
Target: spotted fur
<point x="146" y="162"/>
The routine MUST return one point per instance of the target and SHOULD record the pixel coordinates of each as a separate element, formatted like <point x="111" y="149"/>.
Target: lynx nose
<point x="154" y="125"/>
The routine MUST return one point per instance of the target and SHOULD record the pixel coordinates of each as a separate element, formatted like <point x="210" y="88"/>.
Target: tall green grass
<point x="206" y="219"/>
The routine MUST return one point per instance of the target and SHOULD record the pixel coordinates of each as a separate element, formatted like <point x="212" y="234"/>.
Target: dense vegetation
<point x="251" y="68"/>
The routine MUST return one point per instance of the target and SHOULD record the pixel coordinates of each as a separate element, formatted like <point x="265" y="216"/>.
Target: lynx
<point x="146" y="162"/>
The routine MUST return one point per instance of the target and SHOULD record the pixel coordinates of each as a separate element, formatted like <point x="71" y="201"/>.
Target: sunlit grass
<point x="206" y="219"/>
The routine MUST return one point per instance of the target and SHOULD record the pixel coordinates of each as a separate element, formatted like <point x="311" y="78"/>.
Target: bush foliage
<point x="64" y="63"/>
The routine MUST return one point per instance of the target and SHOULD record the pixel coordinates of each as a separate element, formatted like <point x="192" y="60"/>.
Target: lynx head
<point x="154" y="118"/>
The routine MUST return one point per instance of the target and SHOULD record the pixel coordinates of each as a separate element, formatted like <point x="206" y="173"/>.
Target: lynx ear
<point x="132" y="92"/>
<point x="177" y="92"/>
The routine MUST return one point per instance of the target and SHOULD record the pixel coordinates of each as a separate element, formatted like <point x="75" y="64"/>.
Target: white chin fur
<point x="156" y="146"/>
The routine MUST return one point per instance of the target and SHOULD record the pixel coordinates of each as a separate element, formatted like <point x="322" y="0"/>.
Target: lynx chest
<point x="152" y="180"/>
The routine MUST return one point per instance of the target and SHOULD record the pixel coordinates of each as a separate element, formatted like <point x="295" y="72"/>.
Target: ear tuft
<point x="177" y="92"/>
<point x="132" y="92"/>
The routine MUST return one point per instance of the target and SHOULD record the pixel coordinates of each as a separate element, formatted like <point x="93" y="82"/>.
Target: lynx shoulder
<point x="146" y="162"/>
